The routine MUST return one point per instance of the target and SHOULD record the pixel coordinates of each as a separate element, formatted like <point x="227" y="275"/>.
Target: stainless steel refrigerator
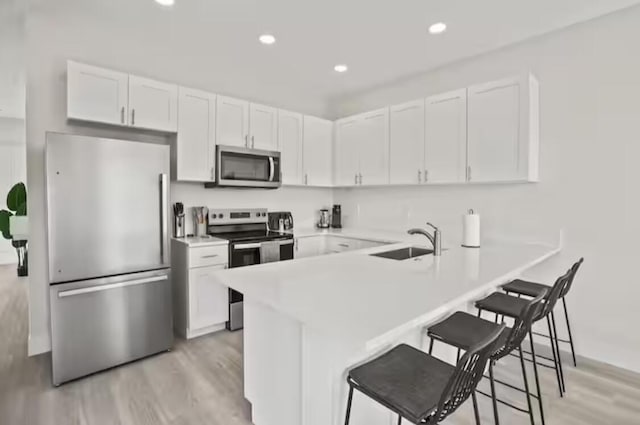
<point x="109" y="261"/>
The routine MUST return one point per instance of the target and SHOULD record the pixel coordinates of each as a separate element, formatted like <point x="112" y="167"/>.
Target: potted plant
<point x="14" y="217"/>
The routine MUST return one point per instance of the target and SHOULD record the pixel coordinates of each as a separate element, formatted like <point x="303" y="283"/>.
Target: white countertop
<point x="199" y="241"/>
<point x="371" y="300"/>
<point x="364" y="234"/>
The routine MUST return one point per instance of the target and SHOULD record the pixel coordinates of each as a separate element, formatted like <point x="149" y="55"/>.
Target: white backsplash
<point x="303" y="202"/>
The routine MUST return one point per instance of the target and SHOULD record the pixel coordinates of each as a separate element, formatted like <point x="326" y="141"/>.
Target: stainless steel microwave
<point x="242" y="167"/>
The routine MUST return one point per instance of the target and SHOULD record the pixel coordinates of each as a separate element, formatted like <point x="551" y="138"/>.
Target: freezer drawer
<point x="105" y="322"/>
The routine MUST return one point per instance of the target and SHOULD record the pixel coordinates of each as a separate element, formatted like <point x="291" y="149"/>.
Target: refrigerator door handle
<point x="164" y="237"/>
<point x="101" y="288"/>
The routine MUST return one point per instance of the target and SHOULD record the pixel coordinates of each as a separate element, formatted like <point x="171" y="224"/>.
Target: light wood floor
<point x="200" y="382"/>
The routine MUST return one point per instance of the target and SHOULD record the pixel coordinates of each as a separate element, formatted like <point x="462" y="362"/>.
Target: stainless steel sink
<point x="404" y="253"/>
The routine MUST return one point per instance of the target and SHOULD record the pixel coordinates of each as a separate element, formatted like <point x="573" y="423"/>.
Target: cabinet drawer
<point x="208" y="256"/>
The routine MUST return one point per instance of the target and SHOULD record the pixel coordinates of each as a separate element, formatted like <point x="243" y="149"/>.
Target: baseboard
<point x="203" y="331"/>
<point x="38" y="345"/>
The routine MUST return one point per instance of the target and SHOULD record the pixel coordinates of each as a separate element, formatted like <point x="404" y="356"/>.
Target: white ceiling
<point x="380" y="40"/>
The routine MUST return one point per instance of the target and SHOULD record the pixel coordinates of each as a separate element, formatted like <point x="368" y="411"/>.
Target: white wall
<point x="590" y="149"/>
<point x="120" y="42"/>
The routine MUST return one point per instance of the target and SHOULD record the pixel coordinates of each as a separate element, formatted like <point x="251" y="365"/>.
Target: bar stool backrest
<point x="554" y="294"/>
<point x="574" y="271"/>
<point x="467" y="375"/>
<point x="521" y="327"/>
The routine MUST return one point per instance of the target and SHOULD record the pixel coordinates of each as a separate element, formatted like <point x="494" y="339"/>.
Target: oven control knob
<point x="221" y="216"/>
<point x="214" y="216"/>
<point x="257" y="214"/>
<point x="264" y="214"/>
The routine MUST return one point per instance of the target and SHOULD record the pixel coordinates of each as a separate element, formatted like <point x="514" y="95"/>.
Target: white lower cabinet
<point x="208" y="299"/>
<point x="200" y="301"/>
<point x="315" y="245"/>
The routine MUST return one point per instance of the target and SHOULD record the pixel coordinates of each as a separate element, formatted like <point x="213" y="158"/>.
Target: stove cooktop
<point x="253" y="235"/>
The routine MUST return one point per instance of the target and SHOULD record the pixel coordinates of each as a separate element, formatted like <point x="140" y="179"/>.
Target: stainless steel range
<point x="251" y="242"/>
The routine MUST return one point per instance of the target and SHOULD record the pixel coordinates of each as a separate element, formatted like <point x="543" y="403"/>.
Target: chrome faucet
<point x="435" y="239"/>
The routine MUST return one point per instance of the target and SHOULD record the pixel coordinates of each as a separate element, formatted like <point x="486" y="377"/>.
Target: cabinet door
<point x="263" y="124"/>
<point x="208" y="299"/>
<point x="494" y="131"/>
<point x="96" y="94"/>
<point x="195" y="142"/>
<point x="153" y="104"/>
<point x="307" y="247"/>
<point x="317" y="152"/>
<point x="290" y="144"/>
<point x="232" y="122"/>
<point x="348" y="132"/>
<point x="446" y="137"/>
<point x="406" y="151"/>
<point x="374" y="148"/>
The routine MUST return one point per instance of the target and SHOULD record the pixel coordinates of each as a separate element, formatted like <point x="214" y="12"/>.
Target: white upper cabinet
<point x="446" y="137"/>
<point x="97" y="94"/>
<point x="195" y="142"/>
<point x="318" y="151"/>
<point x="232" y="123"/>
<point x="349" y="131"/>
<point x="374" y="148"/>
<point x="406" y="151"/>
<point x="290" y="145"/>
<point x="263" y="125"/>
<point x="503" y="131"/>
<point x="153" y="104"/>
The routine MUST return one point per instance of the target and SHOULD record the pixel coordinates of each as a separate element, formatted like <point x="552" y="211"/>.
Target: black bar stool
<point x="419" y="387"/>
<point x="532" y="289"/>
<point x="509" y="306"/>
<point x="463" y="330"/>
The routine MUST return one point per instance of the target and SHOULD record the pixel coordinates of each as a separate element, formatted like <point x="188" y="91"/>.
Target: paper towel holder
<point x="466" y="238"/>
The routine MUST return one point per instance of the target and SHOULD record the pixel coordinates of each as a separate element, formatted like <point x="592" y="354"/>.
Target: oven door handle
<point x="247" y="246"/>
<point x="272" y="168"/>
<point x="286" y="242"/>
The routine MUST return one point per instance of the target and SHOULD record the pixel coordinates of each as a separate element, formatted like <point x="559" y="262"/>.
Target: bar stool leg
<point x="566" y="316"/>
<point x="555" y="339"/>
<point x="537" y="377"/>
<point x="476" y="412"/>
<point x="399" y="420"/>
<point x="430" y="345"/>
<point x="526" y="385"/>
<point x="346" y="421"/>
<point x="555" y="358"/>
<point x="494" y="399"/>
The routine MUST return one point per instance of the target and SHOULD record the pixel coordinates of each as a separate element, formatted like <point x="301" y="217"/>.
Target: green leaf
<point x="4" y="223"/>
<point x="22" y="209"/>
<point x="17" y="196"/>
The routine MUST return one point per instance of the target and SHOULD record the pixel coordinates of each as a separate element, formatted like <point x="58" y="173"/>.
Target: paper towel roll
<point x="471" y="230"/>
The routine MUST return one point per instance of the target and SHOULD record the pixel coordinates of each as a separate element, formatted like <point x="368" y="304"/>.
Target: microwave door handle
<point x="272" y="168"/>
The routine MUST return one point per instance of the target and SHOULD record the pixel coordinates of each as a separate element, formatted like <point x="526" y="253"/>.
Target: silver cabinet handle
<point x="360" y="178"/>
<point x="253" y="142"/>
<point x="101" y="288"/>
<point x="306" y="179"/>
<point x="246" y="140"/>
<point x="419" y="176"/>
<point x="164" y="238"/>
<point x="344" y="245"/>
<point x="296" y="243"/>
<point x="469" y="173"/>
<point x="209" y="256"/>
<point x="426" y="176"/>
<point x="122" y="115"/>
<point x="213" y="173"/>
<point x="356" y="178"/>
<point x="133" y="117"/>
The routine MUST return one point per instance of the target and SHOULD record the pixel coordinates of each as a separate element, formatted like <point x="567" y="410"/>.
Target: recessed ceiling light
<point x="267" y="39"/>
<point x="438" y="28"/>
<point x="165" y="3"/>
<point x="341" y="68"/>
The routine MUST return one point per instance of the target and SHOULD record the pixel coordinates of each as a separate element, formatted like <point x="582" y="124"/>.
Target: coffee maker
<point x="336" y="217"/>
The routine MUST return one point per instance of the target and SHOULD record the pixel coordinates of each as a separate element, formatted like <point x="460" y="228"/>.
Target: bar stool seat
<point x="503" y="304"/>
<point x="463" y="330"/>
<point x="405" y="380"/>
<point x="525" y="287"/>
